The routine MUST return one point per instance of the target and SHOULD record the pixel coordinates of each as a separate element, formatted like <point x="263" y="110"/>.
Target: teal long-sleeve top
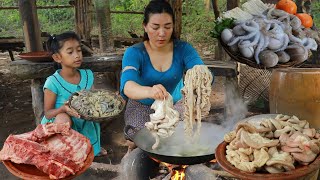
<point x="137" y="67"/>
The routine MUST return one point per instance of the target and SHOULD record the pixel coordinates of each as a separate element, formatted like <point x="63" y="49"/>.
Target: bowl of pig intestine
<point x="275" y="158"/>
<point x="97" y="105"/>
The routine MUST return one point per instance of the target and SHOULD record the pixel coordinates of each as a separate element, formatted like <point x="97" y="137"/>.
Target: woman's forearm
<point x="136" y="91"/>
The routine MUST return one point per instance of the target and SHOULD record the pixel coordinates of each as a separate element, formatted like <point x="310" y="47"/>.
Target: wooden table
<point x="11" y="44"/>
<point x="38" y="71"/>
<point x="222" y="68"/>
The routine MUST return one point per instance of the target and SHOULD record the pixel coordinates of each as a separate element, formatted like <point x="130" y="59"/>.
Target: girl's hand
<point x="70" y="111"/>
<point x="158" y="92"/>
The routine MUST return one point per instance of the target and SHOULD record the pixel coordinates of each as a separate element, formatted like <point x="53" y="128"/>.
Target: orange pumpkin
<point x="288" y="6"/>
<point x="306" y="19"/>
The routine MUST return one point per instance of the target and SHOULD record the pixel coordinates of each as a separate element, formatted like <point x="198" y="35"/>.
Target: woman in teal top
<point x="150" y="70"/>
<point x="155" y="67"/>
<point x="143" y="72"/>
<point x="64" y="82"/>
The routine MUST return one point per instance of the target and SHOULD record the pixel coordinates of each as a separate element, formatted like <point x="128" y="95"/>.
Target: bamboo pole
<point x="38" y="7"/>
<point x="68" y="6"/>
<point x="83" y="17"/>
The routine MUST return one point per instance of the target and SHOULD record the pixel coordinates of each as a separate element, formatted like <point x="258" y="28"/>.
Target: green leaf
<point x="220" y="25"/>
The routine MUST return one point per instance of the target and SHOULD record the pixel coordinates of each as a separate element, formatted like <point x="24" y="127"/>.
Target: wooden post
<point x="307" y="7"/>
<point x="83" y="18"/>
<point x="30" y="23"/>
<point x="232" y="4"/>
<point x="215" y="8"/>
<point x="299" y="5"/>
<point x="220" y="54"/>
<point x="37" y="99"/>
<point x="177" y="9"/>
<point x="104" y="24"/>
<point x="32" y="40"/>
<point x="208" y="5"/>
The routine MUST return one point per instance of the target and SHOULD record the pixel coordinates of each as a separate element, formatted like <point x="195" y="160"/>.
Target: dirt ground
<point x="15" y="103"/>
<point x="16" y="116"/>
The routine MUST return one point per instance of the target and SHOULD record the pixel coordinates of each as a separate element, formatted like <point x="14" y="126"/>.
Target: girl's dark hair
<point x="55" y="42"/>
<point x="157" y="7"/>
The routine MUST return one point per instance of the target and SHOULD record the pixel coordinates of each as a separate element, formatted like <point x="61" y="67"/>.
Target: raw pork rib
<point x="53" y="148"/>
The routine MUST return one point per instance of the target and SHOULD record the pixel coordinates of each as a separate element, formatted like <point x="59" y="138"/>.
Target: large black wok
<point x="175" y="150"/>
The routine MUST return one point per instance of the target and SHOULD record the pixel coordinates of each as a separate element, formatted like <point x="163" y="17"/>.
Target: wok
<point x="175" y="149"/>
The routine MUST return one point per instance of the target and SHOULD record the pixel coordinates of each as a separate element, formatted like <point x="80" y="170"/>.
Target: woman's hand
<point x="70" y="111"/>
<point x="158" y="92"/>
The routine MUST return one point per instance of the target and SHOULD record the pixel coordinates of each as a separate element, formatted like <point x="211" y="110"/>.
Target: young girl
<point x="66" y="51"/>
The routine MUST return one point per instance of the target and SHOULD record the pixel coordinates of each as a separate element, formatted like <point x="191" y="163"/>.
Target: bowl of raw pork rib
<point x="272" y="147"/>
<point x="267" y="35"/>
<point x="51" y="151"/>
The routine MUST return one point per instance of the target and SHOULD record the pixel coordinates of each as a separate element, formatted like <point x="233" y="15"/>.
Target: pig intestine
<point x="196" y="91"/>
<point x="286" y="139"/>
<point x="163" y="121"/>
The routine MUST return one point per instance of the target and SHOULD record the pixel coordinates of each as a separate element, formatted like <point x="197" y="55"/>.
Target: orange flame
<point x="156" y="160"/>
<point x="213" y="161"/>
<point x="175" y="174"/>
<point x="179" y="174"/>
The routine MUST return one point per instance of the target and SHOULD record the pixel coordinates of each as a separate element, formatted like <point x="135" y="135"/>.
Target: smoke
<point x="235" y="108"/>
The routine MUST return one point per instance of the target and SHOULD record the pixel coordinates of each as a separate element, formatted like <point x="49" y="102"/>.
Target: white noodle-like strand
<point x="196" y="91"/>
<point x="163" y="121"/>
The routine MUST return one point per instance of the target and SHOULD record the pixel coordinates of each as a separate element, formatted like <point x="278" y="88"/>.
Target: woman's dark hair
<point x="55" y="42"/>
<point x="157" y="7"/>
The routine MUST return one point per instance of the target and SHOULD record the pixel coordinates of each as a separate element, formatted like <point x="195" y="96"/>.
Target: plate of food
<point x="97" y="104"/>
<point x="266" y="36"/>
<point x="37" y="56"/>
<point x="276" y="147"/>
<point x="31" y="172"/>
<point x="300" y="172"/>
<point x="50" y="151"/>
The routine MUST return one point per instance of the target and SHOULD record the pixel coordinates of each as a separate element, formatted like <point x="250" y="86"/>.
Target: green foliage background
<point x="196" y="25"/>
<point x="51" y="20"/>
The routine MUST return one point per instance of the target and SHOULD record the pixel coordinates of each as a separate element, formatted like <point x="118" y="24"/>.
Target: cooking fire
<point x="169" y="171"/>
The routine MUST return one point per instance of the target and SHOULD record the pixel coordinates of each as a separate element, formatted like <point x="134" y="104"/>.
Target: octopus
<point x="260" y="33"/>
<point x="196" y="91"/>
<point x="163" y="121"/>
<point x="268" y="29"/>
<point x="96" y="103"/>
